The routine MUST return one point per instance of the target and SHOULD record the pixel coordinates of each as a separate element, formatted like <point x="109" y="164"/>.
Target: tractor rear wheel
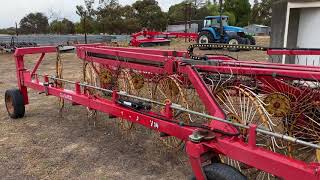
<point x="251" y="39"/>
<point x="14" y="103"/>
<point x="219" y="171"/>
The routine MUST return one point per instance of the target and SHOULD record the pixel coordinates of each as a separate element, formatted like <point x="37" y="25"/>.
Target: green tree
<point x="57" y="27"/>
<point x="255" y="13"/>
<point x="232" y="18"/>
<point x="129" y="20"/>
<point x="89" y="26"/>
<point x="34" y="23"/>
<point x="240" y="8"/>
<point x="265" y="12"/>
<point x="261" y="12"/>
<point x="10" y="30"/>
<point x="109" y="17"/>
<point x="149" y="14"/>
<point x="64" y="26"/>
<point x="199" y="10"/>
<point x="86" y="13"/>
<point x="177" y="12"/>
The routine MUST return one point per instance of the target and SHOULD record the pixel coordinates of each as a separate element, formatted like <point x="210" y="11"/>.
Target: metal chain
<point x="217" y="45"/>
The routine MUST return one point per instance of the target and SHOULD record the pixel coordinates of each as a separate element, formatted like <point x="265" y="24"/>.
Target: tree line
<point x="112" y="18"/>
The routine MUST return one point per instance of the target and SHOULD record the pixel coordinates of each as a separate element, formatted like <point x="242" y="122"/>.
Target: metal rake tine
<point x="306" y="60"/>
<point x="313" y="62"/>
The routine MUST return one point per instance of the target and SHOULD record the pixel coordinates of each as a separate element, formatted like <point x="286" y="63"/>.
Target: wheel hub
<point x="203" y="40"/>
<point x="277" y="104"/>
<point x="105" y="76"/>
<point x="233" y="42"/>
<point x="137" y="80"/>
<point x="9" y="104"/>
<point x="233" y="118"/>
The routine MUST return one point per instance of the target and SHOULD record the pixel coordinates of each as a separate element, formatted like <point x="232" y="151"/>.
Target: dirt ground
<point x="43" y="145"/>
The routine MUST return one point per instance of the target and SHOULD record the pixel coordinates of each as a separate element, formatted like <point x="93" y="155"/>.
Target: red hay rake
<point x="236" y="119"/>
<point x="147" y="38"/>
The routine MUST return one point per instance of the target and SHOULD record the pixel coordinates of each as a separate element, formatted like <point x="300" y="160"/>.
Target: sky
<point x="12" y="11"/>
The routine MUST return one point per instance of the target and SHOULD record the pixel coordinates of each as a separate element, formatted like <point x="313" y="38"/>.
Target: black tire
<point x="251" y="39"/>
<point x="14" y="103"/>
<point x="206" y="34"/>
<point x="219" y="171"/>
<point x="235" y="38"/>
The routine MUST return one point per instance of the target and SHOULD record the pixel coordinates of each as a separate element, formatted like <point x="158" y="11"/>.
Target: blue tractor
<point x="217" y="30"/>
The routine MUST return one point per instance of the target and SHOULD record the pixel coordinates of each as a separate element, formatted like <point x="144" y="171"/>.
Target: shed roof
<point x="258" y="25"/>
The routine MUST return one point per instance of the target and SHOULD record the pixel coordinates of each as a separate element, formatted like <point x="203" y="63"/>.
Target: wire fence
<point x="63" y="39"/>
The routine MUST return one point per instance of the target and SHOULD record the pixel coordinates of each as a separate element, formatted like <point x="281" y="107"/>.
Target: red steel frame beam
<point x="261" y="72"/>
<point x="37" y="64"/>
<point x="124" y="54"/>
<point x="293" y="51"/>
<point x="270" y="65"/>
<point x="233" y="147"/>
<point x="150" y="51"/>
<point x="118" y="64"/>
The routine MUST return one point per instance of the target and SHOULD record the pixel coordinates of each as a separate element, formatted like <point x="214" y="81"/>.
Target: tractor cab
<point x="214" y="21"/>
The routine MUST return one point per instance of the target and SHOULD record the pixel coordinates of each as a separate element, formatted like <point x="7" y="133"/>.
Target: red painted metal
<point x="37" y="64"/>
<point x="150" y="51"/>
<point x="146" y="36"/>
<point x="293" y="51"/>
<point x="262" y="71"/>
<point x="34" y="50"/>
<point x="233" y="147"/>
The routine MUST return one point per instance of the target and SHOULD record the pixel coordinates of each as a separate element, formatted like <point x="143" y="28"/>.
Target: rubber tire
<point x="239" y="39"/>
<point x="17" y="103"/>
<point x="251" y="39"/>
<point x="219" y="171"/>
<point x="208" y="35"/>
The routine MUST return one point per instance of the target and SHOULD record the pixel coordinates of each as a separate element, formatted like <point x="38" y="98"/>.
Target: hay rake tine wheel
<point x="306" y="126"/>
<point x="289" y="103"/>
<point x="169" y="89"/>
<point x="59" y="74"/>
<point x="243" y="107"/>
<point x="132" y="83"/>
<point x="124" y="84"/>
<point x="91" y="77"/>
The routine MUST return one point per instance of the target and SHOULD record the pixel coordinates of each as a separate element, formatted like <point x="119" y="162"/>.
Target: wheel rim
<point x="9" y="104"/>
<point x="203" y="39"/>
<point x="233" y="42"/>
<point x="277" y="104"/>
<point x="169" y="89"/>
